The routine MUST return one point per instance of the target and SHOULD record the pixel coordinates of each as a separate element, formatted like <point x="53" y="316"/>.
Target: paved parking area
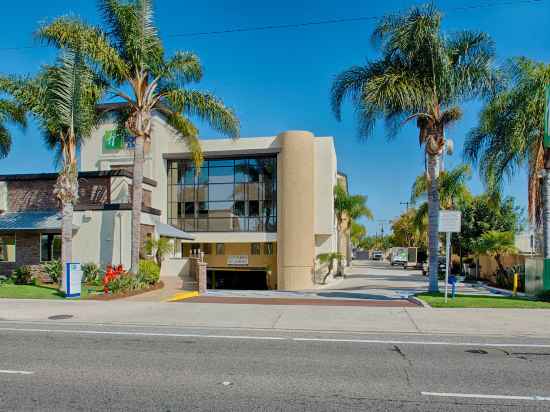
<point x="378" y="280"/>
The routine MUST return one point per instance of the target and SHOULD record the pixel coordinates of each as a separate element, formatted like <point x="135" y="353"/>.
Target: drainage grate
<point x="60" y="317"/>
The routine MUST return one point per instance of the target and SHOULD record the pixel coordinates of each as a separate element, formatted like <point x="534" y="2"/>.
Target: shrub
<point x="54" y="270"/>
<point x="91" y="274"/>
<point x="22" y="276"/>
<point x="126" y="283"/>
<point x="544" y="296"/>
<point x="148" y="272"/>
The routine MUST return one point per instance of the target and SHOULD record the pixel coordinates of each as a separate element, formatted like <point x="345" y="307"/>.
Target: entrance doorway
<point x="237" y="279"/>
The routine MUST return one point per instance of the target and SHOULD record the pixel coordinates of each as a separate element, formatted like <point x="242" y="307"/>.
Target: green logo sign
<point x="547" y="118"/>
<point x="112" y="140"/>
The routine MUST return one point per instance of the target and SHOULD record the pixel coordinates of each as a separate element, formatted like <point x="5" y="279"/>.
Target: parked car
<point x="377" y="255"/>
<point x="399" y="256"/>
<point x="440" y="267"/>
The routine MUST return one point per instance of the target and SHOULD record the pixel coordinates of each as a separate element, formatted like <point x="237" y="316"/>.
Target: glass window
<point x="207" y="248"/>
<point x="189" y="176"/>
<point x="220" y="192"/>
<point x="239" y="208"/>
<point x="253" y="208"/>
<point x="189" y="209"/>
<point x="268" y="249"/>
<point x="241" y="171"/>
<point x="50" y="247"/>
<point x="220" y="249"/>
<point x="227" y="195"/>
<point x="255" y="248"/>
<point x="221" y="163"/>
<point x="7" y="248"/>
<point x="221" y="174"/>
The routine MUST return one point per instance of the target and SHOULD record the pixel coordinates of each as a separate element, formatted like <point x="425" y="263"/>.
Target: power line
<point x="313" y="23"/>
<point x="343" y="20"/>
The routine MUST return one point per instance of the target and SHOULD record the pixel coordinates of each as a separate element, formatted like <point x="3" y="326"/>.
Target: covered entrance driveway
<point x="237" y="278"/>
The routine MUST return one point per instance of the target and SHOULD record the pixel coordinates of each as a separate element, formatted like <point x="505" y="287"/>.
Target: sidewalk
<point x="481" y="322"/>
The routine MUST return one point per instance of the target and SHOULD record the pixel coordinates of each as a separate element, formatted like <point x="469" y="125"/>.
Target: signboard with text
<point x="115" y="140"/>
<point x="449" y="221"/>
<point x="74" y="280"/>
<point x="239" y="260"/>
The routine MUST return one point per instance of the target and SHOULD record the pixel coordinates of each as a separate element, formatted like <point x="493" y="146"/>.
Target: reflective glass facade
<point x="228" y="195"/>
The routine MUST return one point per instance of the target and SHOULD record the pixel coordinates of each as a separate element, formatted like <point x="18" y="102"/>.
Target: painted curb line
<point x="182" y="296"/>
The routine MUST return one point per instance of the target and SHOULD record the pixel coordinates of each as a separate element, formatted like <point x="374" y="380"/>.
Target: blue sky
<point x="280" y="79"/>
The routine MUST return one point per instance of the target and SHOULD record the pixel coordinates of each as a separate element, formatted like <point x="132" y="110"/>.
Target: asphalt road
<point x="89" y="367"/>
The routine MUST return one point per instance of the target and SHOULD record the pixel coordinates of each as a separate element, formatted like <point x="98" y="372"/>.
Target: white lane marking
<point x="480" y="396"/>
<point x="10" y="372"/>
<point x="434" y="343"/>
<point x="279" y="338"/>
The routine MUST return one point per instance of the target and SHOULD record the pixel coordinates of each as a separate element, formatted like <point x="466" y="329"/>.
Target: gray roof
<point x="48" y="220"/>
<point x="170" y="231"/>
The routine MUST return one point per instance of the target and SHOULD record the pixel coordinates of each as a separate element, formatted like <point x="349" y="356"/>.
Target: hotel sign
<point x="114" y="140"/>
<point x="240" y="260"/>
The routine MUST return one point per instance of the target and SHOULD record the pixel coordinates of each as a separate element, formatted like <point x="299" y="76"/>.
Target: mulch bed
<point x="159" y="285"/>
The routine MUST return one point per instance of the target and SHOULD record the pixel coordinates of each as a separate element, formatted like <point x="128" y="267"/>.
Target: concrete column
<point x="296" y="220"/>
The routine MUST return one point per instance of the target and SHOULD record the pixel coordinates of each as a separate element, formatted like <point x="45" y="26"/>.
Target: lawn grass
<point x="12" y="291"/>
<point x="437" y="300"/>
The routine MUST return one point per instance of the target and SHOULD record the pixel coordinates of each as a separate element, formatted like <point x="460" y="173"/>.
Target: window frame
<point x="14" y="245"/>
<point x="52" y="252"/>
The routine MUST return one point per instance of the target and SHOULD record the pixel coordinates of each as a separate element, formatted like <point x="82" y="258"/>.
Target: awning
<point x="170" y="231"/>
<point x="49" y="220"/>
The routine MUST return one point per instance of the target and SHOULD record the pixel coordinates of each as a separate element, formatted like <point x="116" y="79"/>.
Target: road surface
<point x="49" y="366"/>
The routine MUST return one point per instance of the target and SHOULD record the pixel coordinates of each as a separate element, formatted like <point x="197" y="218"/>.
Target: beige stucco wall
<point x="296" y="209"/>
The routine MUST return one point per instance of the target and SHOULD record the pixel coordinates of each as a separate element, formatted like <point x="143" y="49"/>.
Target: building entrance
<point x="241" y="279"/>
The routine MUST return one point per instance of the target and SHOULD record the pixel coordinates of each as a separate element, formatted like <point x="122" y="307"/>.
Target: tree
<point x="510" y="136"/>
<point x="328" y="259"/>
<point x="422" y="75"/>
<point x="348" y="208"/>
<point x="62" y="98"/>
<point x="357" y="233"/>
<point x="483" y="214"/>
<point x="10" y="113"/>
<point x="496" y="244"/>
<point x="406" y="231"/>
<point x="129" y="54"/>
<point x="160" y="248"/>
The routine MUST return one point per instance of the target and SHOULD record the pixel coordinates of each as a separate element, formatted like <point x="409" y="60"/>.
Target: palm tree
<point x="63" y="99"/>
<point x="10" y="112"/>
<point x="453" y="193"/>
<point x="510" y="135"/>
<point x="348" y="208"/>
<point x="129" y="53"/>
<point x="422" y="75"/>
<point x="496" y="244"/>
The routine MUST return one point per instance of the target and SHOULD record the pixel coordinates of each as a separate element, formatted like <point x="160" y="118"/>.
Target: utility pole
<point x="406" y="204"/>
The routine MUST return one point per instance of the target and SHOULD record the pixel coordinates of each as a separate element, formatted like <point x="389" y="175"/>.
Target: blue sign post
<point x="73" y="280"/>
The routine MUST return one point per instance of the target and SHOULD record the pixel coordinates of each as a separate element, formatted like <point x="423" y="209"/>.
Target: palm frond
<point x="71" y="33"/>
<point x="188" y="133"/>
<point x="206" y="107"/>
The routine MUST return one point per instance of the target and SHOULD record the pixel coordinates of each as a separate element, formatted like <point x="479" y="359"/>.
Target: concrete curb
<point x="419" y="301"/>
<point x="182" y="296"/>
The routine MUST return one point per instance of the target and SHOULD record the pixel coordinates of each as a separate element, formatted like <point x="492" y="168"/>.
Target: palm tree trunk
<point x="433" y="222"/>
<point x="339" y="270"/>
<point x="66" y="242"/>
<point x="137" y="199"/>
